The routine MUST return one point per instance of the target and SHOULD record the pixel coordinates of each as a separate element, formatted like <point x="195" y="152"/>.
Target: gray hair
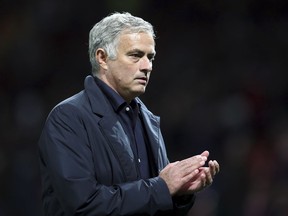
<point x="105" y="34"/>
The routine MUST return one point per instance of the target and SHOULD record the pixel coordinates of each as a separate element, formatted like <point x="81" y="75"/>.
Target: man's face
<point x="129" y="73"/>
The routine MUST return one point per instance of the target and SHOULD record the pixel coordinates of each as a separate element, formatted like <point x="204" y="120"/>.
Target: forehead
<point x="141" y="40"/>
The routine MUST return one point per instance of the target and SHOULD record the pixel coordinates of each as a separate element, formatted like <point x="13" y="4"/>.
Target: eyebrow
<point x="140" y="51"/>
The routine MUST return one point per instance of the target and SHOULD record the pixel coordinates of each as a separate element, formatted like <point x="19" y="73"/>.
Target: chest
<point x="113" y="156"/>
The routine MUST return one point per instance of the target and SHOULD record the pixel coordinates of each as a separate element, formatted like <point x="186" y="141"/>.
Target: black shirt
<point x="130" y="118"/>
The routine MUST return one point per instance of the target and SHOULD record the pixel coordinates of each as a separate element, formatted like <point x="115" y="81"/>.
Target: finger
<point x="186" y="181"/>
<point x="189" y="177"/>
<point x="192" y="163"/>
<point x="194" y="159"/>
<point x="217" y="166"/>
<point x="209" y="177"/>
<point x="180" y="169"/>
<point x="203" y="180"/>
<point x="212" y="167"/>
<point x="205" y="153"/>
<point x="189" y="173"/>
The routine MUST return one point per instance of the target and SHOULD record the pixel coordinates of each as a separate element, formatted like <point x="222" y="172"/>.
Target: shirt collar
<point x="115" y="99"/>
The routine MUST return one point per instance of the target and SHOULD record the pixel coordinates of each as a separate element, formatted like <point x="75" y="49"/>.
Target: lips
<point x="142" y="79"/>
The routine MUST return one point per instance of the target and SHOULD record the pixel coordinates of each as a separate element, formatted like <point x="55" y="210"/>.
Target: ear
<point x="101" y="58"/>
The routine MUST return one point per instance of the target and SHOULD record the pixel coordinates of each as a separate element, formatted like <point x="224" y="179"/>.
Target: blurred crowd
<point x="219" y="82"/>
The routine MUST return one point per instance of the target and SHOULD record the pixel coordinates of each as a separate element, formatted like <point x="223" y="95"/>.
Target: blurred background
<point x="219" y="82"/>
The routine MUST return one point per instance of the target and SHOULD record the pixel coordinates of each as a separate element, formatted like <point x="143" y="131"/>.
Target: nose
<point x="145" y="64"/>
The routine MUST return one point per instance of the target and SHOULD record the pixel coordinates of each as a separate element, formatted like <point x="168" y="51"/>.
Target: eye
<point x="151" y="57"/>
<point x="135" y="55"/>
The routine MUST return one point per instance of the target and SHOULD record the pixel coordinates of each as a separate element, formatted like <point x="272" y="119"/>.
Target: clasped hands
<point x="189" y="176"/>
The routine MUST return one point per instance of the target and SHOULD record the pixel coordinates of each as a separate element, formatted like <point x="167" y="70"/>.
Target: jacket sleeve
<point x="69" y="174"/>
<point x="183" y="204"/>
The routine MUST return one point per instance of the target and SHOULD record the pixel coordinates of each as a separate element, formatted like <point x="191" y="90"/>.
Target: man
<point x="101" y="150"/>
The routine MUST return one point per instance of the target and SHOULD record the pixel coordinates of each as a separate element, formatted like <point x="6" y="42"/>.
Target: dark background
<point x="219" y="82"/>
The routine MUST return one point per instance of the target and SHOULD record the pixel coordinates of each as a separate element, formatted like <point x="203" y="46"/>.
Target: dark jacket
<point x="87" y="164"/>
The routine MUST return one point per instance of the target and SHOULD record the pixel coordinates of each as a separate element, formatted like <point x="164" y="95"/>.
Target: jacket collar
<point x="100" y="106"/>
<point x="98" y="102"/>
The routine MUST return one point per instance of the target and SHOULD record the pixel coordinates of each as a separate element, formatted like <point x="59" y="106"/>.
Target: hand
<point x="203" y="179"/>
<point x="180" y="174"/>
<point x="189" y="176"/>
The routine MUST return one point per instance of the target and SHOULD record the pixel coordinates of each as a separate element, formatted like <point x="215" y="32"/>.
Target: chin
<point x="138" y="93"/>
<point x="142" y="91"/>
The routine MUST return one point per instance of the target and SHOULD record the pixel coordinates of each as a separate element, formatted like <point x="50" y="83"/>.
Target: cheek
<point x="125" y="72"/>
<point x="129" y="71"/>
<point x="123" y="75"/>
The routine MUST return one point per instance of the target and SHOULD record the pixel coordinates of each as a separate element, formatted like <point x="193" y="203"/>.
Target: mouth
<point x="142" y="80"/>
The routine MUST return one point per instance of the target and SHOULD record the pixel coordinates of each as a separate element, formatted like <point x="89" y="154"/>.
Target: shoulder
<point x="70" y="107"/>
